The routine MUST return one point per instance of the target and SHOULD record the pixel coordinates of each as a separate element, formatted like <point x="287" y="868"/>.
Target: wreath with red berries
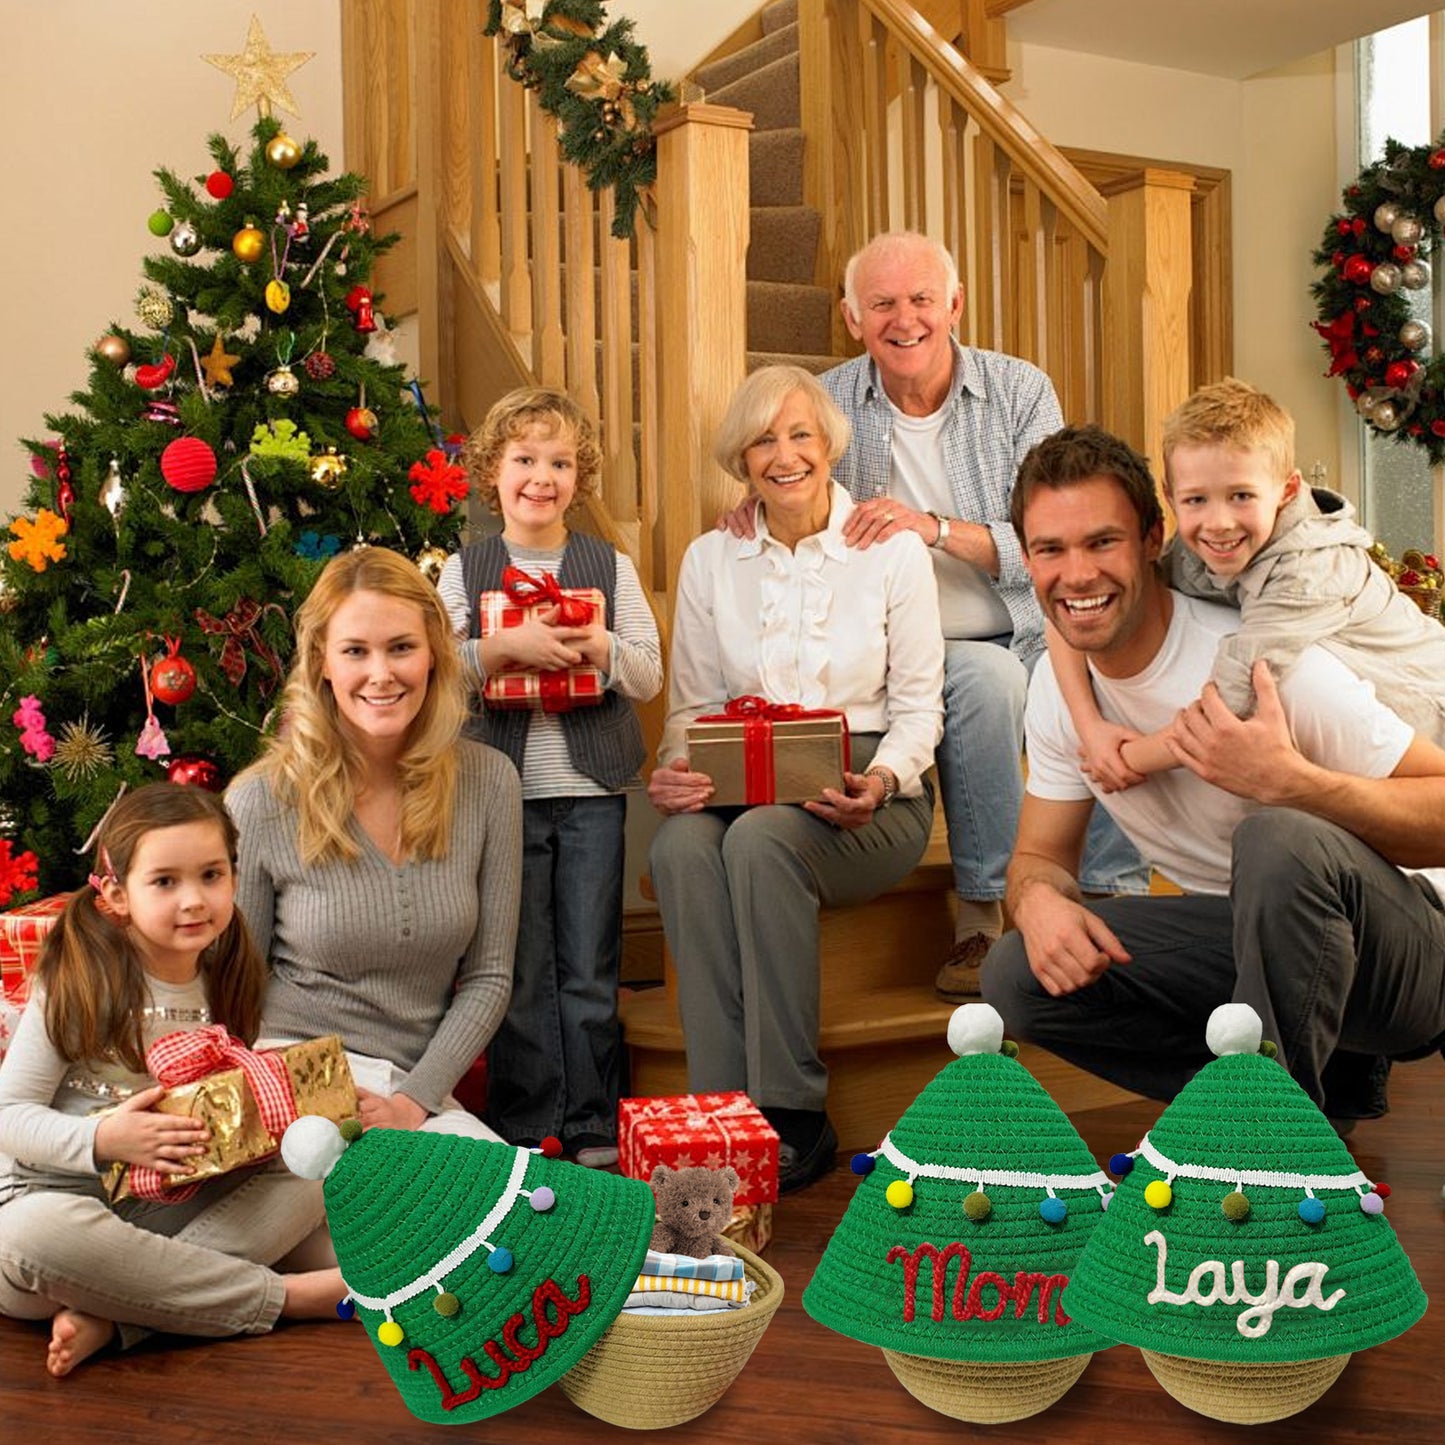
<point x="1374" y="258"/>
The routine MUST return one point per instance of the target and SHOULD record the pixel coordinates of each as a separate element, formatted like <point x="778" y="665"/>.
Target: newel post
<point x="701" y="337"/>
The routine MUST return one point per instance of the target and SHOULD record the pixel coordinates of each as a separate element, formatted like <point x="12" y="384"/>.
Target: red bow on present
<point x="757" y="716"/>
<point x="239" y="628"/>
<point x="528" y="591"/>
<point x="190" y="1055"/>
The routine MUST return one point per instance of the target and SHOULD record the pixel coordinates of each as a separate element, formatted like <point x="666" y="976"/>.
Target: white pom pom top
<point x="975" y="1028"/>
<point x="1233" y="1028"/>
<point x="311" y="1145"/>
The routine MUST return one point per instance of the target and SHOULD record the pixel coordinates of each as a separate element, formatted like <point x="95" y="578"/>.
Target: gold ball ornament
<point x="249" y="244"/>
<point x="329" y="468"/>
<point x="282" y="382"/>
<point x="154" y="307"/>
<point x="114" y="349"/>
<point x="430" y="561"/>
<point x="282" y="151"/>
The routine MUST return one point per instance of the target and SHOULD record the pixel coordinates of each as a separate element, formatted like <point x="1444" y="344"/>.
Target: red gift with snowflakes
<point x="22" y="931"/>
<point x="707" y="1131"/>
<point x="558" y="690"/>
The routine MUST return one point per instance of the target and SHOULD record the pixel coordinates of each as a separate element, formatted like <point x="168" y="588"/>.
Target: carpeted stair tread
<point x="775" y="167"/>
<point x="783" y="243"/>
<point x="784" y="317"/>
<point x="784" y="12"/>
<point x="777" y="43"/>
<point x="769" y="93"/>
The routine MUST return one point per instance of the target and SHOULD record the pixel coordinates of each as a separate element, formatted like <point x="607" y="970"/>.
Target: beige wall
<point x="1276" y="133"/>
<point x="678" y="33"/>
<point x="95" y="97"/>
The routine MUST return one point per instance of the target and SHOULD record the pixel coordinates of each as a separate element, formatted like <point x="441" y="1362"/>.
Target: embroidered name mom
<point x="969" y="1301"/>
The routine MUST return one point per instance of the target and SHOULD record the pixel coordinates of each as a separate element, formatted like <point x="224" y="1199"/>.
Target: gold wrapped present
<point x="760" y="752"/>
<point x="245" y="1108"/>
<point x="751" y="1226"/>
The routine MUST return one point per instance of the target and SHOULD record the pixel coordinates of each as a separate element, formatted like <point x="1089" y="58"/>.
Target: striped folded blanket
<point x="720" y="1267"/>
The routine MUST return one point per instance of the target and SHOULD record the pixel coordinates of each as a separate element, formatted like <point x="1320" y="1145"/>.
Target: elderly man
<point x="1324" y="801"/>
<point x="939" y="430"/>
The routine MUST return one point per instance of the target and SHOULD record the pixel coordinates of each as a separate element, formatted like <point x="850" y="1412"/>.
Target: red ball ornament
<point x="188" y="464"/>
<point x="361" y="423"/>
<point x="1357" y="269"/>
<point x="1363" y="303"/>
<point x="220" y="185"/>
<point x="1437" y="428"/>
<point x="173" y="679"/>
<point x="194" y="772"/>
<point x="1436" y="162"/>
<point x="1403" y="253"/>
<point x="1358" y="225"/>
<point x="1398" y="373"/>
<point x="320" y="366"/>
<point x="1343" y="227"/>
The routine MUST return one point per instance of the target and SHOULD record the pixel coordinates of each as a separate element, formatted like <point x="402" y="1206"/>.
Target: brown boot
<point x="957" y="980"/>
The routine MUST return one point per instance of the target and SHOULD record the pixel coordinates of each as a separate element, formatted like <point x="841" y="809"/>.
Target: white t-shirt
<point x="1180" y="823"/>
<point x="967" y="602"/>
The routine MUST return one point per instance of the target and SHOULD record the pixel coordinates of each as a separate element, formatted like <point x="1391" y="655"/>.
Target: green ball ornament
<point x="1235" y="1207"/>
<point x="978" y="1206"/>
<point x="160" y="223"/>
<point x="446" y="1305"/>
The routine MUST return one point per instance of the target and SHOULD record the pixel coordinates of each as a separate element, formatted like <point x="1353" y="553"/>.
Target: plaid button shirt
<point x="998" y="407"/>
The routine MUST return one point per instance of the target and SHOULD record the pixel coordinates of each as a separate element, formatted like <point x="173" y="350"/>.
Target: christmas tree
<point x="244" y="429"/>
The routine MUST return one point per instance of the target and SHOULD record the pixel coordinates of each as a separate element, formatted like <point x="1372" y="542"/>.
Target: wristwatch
<point x="940" y="541"/>
<point x="890" y="783"/>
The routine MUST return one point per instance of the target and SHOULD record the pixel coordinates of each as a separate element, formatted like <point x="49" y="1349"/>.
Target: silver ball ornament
<point x="1385" y="416"/>
<point x="1406" y="231"/>
<point x="1385" y="278"/>
<point x="112" y="494"/>
<point x="282" y="382"/>
<point x="1386" y="214"/>
<point x="1415" y="275"/>
<point x="1415" y="336"/>
<point x="185" y="239"/>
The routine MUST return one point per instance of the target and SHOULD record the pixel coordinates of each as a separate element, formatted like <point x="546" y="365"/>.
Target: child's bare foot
<point x="313" y="1294"/>
<point x="74" y="1338"/>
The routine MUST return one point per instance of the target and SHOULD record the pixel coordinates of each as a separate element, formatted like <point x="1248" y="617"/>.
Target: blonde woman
<point x="380" y="857"/>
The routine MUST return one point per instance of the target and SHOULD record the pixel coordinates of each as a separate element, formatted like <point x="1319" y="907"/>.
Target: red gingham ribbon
<point x="528" y="591"/>
<point x="189" y="1055"/>
<point x="757" y="716"/>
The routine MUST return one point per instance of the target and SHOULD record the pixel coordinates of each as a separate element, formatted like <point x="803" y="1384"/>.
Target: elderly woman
<point x="795" y="616"/>
<point x="380" y="861"/>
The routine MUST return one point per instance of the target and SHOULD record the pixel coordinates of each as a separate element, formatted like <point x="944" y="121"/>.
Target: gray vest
<point x="604" y="742"/>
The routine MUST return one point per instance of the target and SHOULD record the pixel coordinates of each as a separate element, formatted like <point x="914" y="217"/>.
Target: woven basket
<point x="649" y="1372"/>
<point x="986" y="1392"/>
<point x="1245" y="1394"/>
<point x="1427" y="599"/>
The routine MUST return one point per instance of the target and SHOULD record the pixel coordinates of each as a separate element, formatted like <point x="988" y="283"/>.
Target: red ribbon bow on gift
<point x="757" y="716"/>
<point x="190" y="1055"/>
<point x="528" y="591"/>
<point x="239" y="629"/>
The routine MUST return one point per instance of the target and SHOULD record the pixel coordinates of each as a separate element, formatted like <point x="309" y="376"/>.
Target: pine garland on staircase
<point x="597" y="81"/>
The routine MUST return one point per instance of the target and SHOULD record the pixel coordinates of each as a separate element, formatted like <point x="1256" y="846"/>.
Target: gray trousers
<point x="1340" y="954"/>
<point x="739" y="892"/>
<point x="197" y="1268"/>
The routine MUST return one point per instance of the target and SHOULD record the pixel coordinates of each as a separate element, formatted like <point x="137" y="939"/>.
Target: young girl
<point x="153" y="946"/>
<point x="555" y="1060"/>
<point x="1292" y="560"/>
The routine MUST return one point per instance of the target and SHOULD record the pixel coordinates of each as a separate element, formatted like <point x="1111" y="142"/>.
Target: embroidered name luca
<point x="967" y="1303"/>
<point x="1300" y="1289"/>
<point x="549" y="1326"/>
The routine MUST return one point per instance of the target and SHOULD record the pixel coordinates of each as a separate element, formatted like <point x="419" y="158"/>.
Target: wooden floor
<point x="804" y="1383"/>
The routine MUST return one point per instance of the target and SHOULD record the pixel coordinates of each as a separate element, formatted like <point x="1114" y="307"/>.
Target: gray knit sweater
<point x="409" y="963"/>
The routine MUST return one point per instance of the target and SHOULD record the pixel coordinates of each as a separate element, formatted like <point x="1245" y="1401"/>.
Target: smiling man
<point x="1293" y="833"/>
<point x="939" y="430"/>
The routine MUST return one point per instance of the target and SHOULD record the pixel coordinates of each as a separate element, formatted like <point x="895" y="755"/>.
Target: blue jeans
<point x="555" y="1059"/>
<point x="984" y="690"/>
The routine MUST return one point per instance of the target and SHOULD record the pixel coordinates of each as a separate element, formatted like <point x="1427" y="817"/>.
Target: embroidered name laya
<point x="1256" y="1320"/>
<point x="967" y="1302"/>
<point x="549" y="1326"/>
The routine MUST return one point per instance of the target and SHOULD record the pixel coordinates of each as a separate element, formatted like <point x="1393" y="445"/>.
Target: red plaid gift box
<point x="22" y="931"/>
<point x="706" y="1130"/>
<point x="556" y="691"/>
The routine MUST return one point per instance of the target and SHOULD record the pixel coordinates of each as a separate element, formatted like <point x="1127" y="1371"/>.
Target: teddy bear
<point x="693" y="1208"/>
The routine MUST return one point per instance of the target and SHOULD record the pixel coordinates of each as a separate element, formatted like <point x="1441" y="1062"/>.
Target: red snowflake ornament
<point x="17" y="873"/>
<point x="437" y="483"/>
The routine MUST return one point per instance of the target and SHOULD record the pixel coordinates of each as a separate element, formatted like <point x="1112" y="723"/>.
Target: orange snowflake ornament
<point x="38" y="543"/>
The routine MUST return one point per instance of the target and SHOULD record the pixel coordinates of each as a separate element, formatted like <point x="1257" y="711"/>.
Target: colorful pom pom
<point x="1269" y="1049"/>
<point x="1382" y="1189"/>
<point x="1105" y="1200"/>
<point x="1371" y="1204"/>
<point x="899" y="1194"/>
<point x="350" y="1130"/>
<point x="499" y="1261"/>
<point x="1312" y="1210"/>
<point x="1158" y="1195"/>
<point x="1054" y="1211"/>
<point x="346" y="1310"/>
<point x="1010" y="1050"/>
<point x="390" y="1333"/>
<point x="550" y="1148"/>
<point x="542" y="1199"/>
<point x="446" y="1304"/>
<point x="1120" y="1164"/>
<point x="862" y="1163"/>
<point x="1235" y="1206"/>
<point x="978" y="1206"/>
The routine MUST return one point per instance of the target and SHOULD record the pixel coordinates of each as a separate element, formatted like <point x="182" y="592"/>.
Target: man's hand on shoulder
<point x="740" y="521"/>
<point x="1068" y="947"/>
<point x="880" y="518"/>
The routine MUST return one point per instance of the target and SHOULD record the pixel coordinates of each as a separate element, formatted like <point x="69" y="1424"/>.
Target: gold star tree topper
<point x="261" y="73"/>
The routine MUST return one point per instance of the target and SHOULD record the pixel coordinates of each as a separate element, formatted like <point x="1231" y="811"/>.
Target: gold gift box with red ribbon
<point x="22" y="931"/>
<point x="705" y="1131"/>
<point x="320" y="1082"/>
<point x="761" y="752"/>
<point x="554" y="690"/>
